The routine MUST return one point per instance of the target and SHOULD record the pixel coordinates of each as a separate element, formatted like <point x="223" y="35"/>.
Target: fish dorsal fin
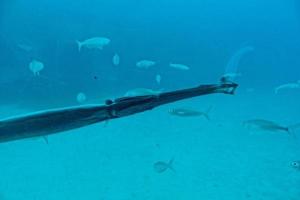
<point x="207" y="112"/>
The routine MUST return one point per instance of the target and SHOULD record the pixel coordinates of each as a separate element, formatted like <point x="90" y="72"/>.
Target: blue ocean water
<point x="212" y="159"/>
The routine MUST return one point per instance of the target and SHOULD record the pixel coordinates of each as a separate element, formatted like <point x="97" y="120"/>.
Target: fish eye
<point x="109" y="102"/>
<point x="295" y="164"/>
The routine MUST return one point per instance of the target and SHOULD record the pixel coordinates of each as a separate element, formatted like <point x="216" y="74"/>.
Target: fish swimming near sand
<point x="182" y="112"/>
<point x="93" y="43"/>
<point x="287" y="86"/>
<point x="179" y="66"/>
<point x="162" y="166"/>
<point x="266" y="125"/>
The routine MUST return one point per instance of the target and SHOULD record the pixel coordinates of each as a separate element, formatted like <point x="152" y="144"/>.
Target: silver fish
<point x="182" y="112"/>
<point x="145" y="64"/>
<point x="179" y="66"/>
<point x="266" y="125"/>
<point x="36" y="66"/>
<point x="116" y="60"/>
<point x="162" y="166"/>
<point x="93" y="43"/>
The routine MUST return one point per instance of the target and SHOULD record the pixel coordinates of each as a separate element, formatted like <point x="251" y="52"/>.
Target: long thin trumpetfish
<point x="41" y="124"/>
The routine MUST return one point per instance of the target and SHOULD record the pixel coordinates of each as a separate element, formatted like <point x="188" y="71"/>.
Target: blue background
<point x="216" y="159"/>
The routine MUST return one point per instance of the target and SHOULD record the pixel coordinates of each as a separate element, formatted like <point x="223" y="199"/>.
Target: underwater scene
<point x="149" y="100"/>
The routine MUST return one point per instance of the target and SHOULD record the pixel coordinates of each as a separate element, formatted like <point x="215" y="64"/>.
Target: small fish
<point x="266" y="125"/>
<point x="295" y="164"/>
<point x="158" y="78"/>
<point x="141" y="92"/>
<point x="179" y="66"/>
<point x="162" y="166"/>
<point x="287" y="86"/>
<point x="36" y="66"/>
<point x="145" y="64"/>
<point x="116" y="60"/>
<point x="182" y="112"/>
<point x="81" y="97"/>
<point x="93" y="43"/>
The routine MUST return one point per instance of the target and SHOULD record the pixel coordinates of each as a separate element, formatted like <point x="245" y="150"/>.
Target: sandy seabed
<point x="216" y="159"/>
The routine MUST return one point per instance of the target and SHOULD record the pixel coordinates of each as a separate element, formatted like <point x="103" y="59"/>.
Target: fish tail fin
<point x="294" y="127"/>
<point x="79" y="45"/>
<point x="292" y="130"/>
<point x="207" y="112"/>
<point x="170" y="165"/>
<point x="291" y="133"/>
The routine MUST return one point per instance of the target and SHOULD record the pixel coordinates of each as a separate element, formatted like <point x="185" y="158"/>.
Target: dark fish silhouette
<point x="162" y="166"/>
<point x="47" y="122"/>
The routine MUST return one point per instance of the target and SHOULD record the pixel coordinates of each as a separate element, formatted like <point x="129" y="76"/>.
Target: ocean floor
<point x="213" y="159"/>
